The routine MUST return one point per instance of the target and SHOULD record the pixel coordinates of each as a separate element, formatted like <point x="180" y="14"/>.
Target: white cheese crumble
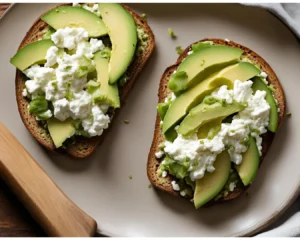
<point x="24" y="93"/>
<point x="61" y="84"/>
<point x="252" y="120"/>
<point x="263" y="74"/>
<point x="159" y="154"/>
<point x="182" y="193"/>
<point x="227" y="40"/>
<point x="94" y="8"/>
<point x="232" y="186"/>
<point x="175" y="186"/>
<point x="96" y="122"/>
<point x="173" y="96"/>
<point x="164" y="174"/>
<point x="69" y="37"/>
<point x="80" y="105"/>
<point x="61" y="109"/>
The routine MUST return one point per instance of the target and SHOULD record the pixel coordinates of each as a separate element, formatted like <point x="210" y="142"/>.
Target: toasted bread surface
<point x="163" y="91"/>
<point x="82" y="147"/>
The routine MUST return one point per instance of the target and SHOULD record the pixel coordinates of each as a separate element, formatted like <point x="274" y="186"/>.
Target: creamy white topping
<point x="252" y="120"/>
<point x="59" y="80"/>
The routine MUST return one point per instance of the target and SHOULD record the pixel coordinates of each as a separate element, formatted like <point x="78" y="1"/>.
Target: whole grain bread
<point x="82" y="147"/>
<point x="153" y="163"/>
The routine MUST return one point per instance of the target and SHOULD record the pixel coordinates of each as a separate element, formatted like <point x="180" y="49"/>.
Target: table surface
<point x="15" y="221"/>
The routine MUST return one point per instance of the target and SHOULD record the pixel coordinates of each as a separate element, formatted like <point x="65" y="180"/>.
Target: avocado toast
<point x="102" y="73"/>
<point x="185" y="158"/>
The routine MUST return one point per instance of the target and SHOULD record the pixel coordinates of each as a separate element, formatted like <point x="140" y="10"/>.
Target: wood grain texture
<point x="15" y="221"/>
<point x="55" y="212"/>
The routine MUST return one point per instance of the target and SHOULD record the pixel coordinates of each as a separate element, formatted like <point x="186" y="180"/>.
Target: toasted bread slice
<point x="82" y="147"/>
<point x="153" y="163"/>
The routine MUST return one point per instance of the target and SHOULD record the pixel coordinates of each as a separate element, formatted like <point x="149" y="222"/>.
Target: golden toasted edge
<point x="164" y="184"/>
<point x="83" y="147"/>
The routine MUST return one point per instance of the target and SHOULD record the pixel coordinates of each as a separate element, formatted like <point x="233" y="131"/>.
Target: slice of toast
<point x="82" y="147"/>
<point x="153" y="163"/>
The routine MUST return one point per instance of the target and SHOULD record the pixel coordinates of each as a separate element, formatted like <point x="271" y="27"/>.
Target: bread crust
<point x="83" y="147"/>
<point x="164" y="184"/>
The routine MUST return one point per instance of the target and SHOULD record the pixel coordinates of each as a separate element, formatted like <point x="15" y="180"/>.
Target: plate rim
<point x="244" y="233"/>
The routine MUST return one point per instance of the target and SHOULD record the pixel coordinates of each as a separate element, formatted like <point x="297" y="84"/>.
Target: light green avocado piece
<point x="162" y="109"/>
<point x="68" y="16"/>
<point x="202" y="63"/>
<point x="210" y="129"/>
<point x="258" y="84"/>
<point x="123" y="35"/>
<point x="107" y="93"/>
<point x="192" y="97"/>
<point x="248" y="168"/>
<point x="204" y="113"/>
<point x="33" y="53"/>
<point x="60" y="131"/>
<point x="212" y="183"/>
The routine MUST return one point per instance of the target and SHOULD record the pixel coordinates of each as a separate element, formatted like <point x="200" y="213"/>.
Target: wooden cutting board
<point x="15" y="221"/>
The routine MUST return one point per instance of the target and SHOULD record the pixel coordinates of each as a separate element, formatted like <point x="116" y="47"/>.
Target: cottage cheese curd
<point x="252" y="120"/>
<point x="94" y="8"/>
<point x="60" y="80"/>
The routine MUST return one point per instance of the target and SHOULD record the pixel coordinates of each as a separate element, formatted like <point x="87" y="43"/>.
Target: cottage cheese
<point x="80" y="105"/>
<point x="159" y="154"/>
<point x="252" y="120"/>
<point x="60" y="84"/>
<point x="61" y="109"/>
<point x="24" y="93"/>
<point x="39" y="78"/>
<point x="94" y="8"/>
<point x="175" y="186"/>
<point x="232" y="186"/>
<point x="96" y="122"/>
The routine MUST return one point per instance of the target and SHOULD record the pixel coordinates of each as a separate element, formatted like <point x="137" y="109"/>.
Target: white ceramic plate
<point x="100" y="185"/>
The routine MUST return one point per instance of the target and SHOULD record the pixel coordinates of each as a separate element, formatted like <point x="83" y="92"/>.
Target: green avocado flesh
<point x="123" y="34"/>
<point x="67" y="16"/>
<point x="201" y="64"/>
<point x="258" y="84"/>
<point x="187" y="100"/>
<point x="107" y="93"/>
<point x="248" y="168"/>
<point x="33" y="53"/>
<point x="212" y="183"/>
<point x="204" y="113"/>
<point x="60" y="131"/>
<point x="210" y="129"/>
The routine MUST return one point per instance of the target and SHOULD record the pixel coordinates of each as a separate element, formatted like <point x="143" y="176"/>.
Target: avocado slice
<point x="249" y="166"/>
<point x="123" y="35"/>
<point x="204" y="113"/>
<point x="33" y="53"/>
<point x="106" y="93"/>
<point x="67" y="16"/>
<point x="258" y="84"/>
<point x="202" y="63"/>
<point x="212" y="183"/>
<point x="192" y="97"/>
<point x="60" y="131"/>
<point x="210" y="129"/>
